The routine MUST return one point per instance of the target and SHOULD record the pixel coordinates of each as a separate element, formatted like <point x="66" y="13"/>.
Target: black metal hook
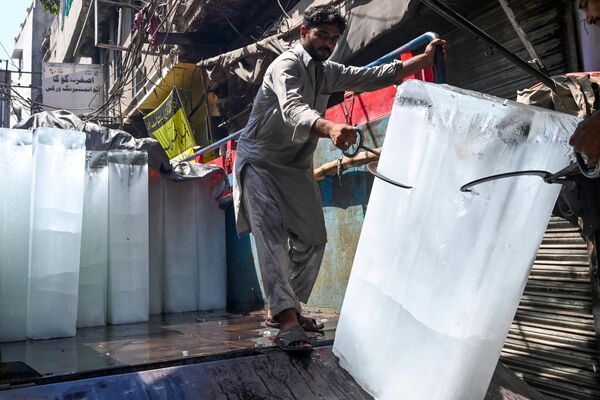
<point x="564" y="175"/>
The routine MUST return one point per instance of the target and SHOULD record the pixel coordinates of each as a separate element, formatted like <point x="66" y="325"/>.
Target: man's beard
<point x="317" y="55"/>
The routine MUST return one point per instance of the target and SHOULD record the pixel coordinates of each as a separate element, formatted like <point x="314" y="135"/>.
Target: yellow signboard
<point x="170" y="126"/>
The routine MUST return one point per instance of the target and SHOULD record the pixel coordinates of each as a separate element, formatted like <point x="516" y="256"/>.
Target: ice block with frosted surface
<point x="155" y="224"/>
<point x="15" y="194"/>
<point x="438" y="273"/>
<point x="180" y="268"/>
<point x="55" y="236"/>
<point x="91" y="310"/>
<point x="211" y="256"/>
<point x="128" y="291"/>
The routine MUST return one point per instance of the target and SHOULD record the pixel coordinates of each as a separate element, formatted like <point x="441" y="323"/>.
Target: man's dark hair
<point x="324" y="15"/>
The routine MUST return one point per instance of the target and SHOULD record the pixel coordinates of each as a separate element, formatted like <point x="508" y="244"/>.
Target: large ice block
<point x="438" y="273"/>
<point x="180" y="279"/>
<point x="211" y="251"/>
<point x="128" y="291"/>
<point x="15" y="194"/>
<point x="55" y="237"/>
<point x="155" y="215"/>
<point x="91" y="310"/>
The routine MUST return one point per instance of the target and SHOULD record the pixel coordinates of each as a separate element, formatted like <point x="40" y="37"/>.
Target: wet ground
<point x="164" y="340"/>
<point x="193" y="356"/>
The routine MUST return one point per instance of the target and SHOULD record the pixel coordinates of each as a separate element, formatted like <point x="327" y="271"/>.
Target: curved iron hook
<point x="372" y="168"/>
<point x="353" y="150"/>
<point x="542" y="174"/>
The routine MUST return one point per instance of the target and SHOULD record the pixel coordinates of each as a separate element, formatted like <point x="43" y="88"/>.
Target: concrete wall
<point x="28" y="47"/>
<point x="24" y="48"/>
<point x="64" y="39"/>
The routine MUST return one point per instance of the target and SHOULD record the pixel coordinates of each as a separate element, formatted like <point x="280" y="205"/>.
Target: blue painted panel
<point x="344" y="208"/>
<point x="244" y="291"/>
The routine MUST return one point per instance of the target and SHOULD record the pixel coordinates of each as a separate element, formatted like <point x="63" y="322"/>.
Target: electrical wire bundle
<point x="132" y="57"/>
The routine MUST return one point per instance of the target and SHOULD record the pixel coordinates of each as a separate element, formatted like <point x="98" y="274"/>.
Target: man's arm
<point x="297" y="114"/>
<point x="294" y="111"/>
<point x="362" y="79"/>
<point x="586" y="139"/>
<point x="418" y="62"/>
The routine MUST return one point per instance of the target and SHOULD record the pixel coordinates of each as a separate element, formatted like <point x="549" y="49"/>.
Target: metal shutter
<point x="549" y="25"/>
<point x="552" y="344"/>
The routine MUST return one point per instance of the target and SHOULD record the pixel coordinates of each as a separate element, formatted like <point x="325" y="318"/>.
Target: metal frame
<point x="462" y="22"/>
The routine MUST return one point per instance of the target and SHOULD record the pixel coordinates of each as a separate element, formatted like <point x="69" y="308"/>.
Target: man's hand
<point x="431" y="49"/>
<point x="586" y="139"/>
<point x="343" y="136"/>
<point x="420" y="61"/>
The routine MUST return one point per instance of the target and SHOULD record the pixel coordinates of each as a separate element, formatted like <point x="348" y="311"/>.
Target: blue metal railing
<point x="415" y="44"/>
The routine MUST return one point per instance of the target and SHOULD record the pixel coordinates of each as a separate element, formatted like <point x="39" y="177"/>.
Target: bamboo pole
<point x="330" y="168"/>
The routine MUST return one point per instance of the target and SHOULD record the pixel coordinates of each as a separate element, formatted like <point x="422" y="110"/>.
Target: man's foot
<point x="293" y="340"/>
<point x="308" y="324"/>
<point x="291" y="336"/>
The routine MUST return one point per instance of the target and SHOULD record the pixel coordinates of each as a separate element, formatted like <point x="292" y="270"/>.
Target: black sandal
<point x="308" y="324"/>
<point x="285" y="339"/>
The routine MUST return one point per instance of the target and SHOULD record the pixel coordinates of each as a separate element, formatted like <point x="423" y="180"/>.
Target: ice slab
<point x="16" y="160"/>
<point x="155" y="214"/>
<point x="211" y="250"/>
<point x="180" y="280"/>
<point x="128" y="285"/>
<point x="55" y="235"/>
<point x="438" y="273"/>
<point x="91" y="309"/>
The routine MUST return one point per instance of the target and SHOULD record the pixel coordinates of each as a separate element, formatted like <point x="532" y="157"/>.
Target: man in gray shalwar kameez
<point x="275" y="193"/>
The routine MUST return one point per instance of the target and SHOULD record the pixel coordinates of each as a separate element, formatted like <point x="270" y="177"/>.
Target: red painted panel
<point x="365" y="107"/>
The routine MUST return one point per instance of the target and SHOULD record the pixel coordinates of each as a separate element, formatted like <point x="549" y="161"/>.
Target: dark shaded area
<point x="355" y="189"/>
<point x="243" y="288"/>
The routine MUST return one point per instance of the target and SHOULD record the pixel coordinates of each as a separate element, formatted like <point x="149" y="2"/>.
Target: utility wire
<point x="283" y="9"/>
<point x="9" y="56"/>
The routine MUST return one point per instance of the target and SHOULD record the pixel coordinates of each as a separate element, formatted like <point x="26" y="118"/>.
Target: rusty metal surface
<point x="344" y="207"/>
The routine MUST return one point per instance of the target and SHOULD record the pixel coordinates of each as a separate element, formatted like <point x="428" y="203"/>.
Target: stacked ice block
<point x="438" y="273"/>
<point x="211" y="253"/>
<point x="180" y="248"/>
<point x="15" y="194"/>
<point x="195" y="270"/>
<point x="155" y="226"/>
<point x="94" y="242"/>
<point x="128" y="284"/>
<point x="55" y="236"/>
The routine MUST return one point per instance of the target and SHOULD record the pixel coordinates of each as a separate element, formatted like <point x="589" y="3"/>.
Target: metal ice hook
<point x="561" y="176"/>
